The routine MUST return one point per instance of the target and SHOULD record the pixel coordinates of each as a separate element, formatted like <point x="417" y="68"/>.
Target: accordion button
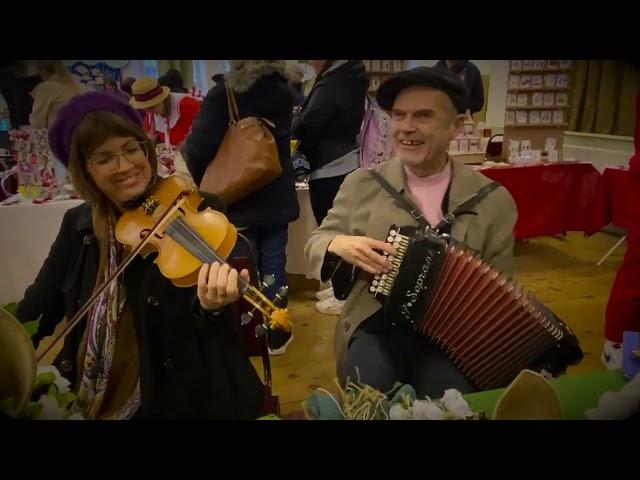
<point x="391" y="258"/>
<point x="372" y="289"/>
<point x="389" y="238"/>
<point x="393" y="233"/>
<point x="374" y="283"/>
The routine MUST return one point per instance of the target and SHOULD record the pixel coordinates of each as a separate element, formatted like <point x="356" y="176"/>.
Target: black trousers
<point x="384" y="354"/>
<point x="321" y="194"/>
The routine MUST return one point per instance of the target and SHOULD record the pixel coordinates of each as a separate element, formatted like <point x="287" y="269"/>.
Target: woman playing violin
<point x="146" y="348"/>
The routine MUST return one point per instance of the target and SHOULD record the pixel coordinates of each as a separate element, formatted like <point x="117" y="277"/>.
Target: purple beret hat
<point x="72" y="113"/>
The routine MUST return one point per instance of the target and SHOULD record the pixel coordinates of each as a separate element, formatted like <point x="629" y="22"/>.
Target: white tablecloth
<point x="299" y="232"/>
<point x="28" y="231"/>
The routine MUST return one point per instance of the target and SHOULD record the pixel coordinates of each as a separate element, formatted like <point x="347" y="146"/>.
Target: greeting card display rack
<point x="380" y="70"/>
<point x="537" y="105"/>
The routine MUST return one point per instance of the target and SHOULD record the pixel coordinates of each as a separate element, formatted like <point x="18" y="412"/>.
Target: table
<point x="28" y="231"/>
<point x="551" y="198"/>
<point x="299" y="233"/>
<point x="616" y="200"/>
<point x="577" y="393"/>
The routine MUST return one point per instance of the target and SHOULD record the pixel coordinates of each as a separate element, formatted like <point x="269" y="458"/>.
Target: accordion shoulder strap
<point x="403" y="202"/>
<point x="464" y="209"/>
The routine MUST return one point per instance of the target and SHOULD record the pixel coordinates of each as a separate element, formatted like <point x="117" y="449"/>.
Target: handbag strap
<point x="234" y="116"/>
<point x="234" y="113"/>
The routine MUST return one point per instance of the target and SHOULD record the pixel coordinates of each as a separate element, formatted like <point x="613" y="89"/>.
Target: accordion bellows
<point x="486" y="323"/>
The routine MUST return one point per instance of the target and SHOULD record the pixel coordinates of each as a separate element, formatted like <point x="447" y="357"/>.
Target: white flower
<point x="60" y="382"/>
<point x="456" y="406"/>
<point x="398" y="412"/>
<point x="50" y="409"/>
<point x="426" y="410"/>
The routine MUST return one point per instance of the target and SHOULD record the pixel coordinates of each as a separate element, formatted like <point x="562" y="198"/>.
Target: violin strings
<point x="200" y="248"/>
<point x="209" y="254"/>
<point x="179" y="237"/>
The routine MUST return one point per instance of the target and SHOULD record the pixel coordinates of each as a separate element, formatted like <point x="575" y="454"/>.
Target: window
<point x="151" y="68"/>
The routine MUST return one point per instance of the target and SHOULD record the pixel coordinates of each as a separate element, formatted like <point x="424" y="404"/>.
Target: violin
<point x="168" y="222"/>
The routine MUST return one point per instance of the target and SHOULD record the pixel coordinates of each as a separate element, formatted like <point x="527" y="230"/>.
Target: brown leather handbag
<point x="247" y="159"/>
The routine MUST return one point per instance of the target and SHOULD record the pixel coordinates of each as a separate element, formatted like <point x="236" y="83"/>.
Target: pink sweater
<point x="429" y="192"/>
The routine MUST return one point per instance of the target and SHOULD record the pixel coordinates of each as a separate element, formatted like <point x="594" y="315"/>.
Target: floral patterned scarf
<point x="105" y="318"/>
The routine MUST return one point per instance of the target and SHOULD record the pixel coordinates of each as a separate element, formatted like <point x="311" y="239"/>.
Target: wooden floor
<point x="562" y="272"/>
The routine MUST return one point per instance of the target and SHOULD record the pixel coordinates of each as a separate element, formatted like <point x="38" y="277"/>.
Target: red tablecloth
<point x="617" y="200"/>
<point x="552" y="198"/>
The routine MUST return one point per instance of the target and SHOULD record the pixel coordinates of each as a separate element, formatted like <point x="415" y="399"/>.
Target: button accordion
<point x="486" y="323"/>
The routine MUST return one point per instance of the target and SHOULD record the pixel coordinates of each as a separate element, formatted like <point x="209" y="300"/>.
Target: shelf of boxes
<point x="380" y="69"/>
<point x="538" y="101"/>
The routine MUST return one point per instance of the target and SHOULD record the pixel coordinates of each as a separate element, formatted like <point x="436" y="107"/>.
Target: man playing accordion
<point x="427" y="110"/>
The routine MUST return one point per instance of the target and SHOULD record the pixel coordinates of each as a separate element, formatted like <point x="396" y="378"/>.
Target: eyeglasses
<point x="109" y="162"/>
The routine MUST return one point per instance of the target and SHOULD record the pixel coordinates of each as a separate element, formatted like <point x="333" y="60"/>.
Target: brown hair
<point x="56" y="67"/>
<point x="93" y="131"/>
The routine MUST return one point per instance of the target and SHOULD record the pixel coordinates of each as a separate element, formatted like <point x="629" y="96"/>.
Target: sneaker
<point x="282" y="349"/>
<point x="324" y="294"/>
<point x="330" y="306"/>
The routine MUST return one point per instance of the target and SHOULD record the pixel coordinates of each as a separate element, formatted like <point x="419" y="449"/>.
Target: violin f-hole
<point x="145" y="232"/>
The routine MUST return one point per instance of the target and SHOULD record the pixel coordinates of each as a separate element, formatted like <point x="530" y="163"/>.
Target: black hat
<point x="436" y="77"/>
<point x="218" y="77"/>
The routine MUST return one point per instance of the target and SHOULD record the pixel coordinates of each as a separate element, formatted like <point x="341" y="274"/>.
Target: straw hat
<point x="147" y="93"/>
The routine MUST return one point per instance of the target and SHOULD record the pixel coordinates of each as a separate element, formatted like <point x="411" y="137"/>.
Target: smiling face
<point x="423" y="122"/>
<point x="111" y="157"/>
<point x="120" y="168"/>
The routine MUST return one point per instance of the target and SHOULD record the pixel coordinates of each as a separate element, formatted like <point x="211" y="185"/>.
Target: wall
<point x="601" y="150"/>
<point x="498" y="73"/>
<point x="135" y="69"/>
<point x="213" y="67"/>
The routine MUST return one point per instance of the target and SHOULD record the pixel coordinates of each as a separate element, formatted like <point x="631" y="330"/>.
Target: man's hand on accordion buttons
<point x="361" y="252"/>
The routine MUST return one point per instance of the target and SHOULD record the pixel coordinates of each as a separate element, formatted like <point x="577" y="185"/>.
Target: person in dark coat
<point x="173" y="80"/>
<point x="261" y="90"/>
<point x="327" y="128"/>
<point x="471" y="77"/>
<point x="17" y="93"/>
<point x="147" y="349"/>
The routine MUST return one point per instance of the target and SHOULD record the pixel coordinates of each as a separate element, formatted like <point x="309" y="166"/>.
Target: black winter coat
<point x="332" y="114"/>
<point x="269" y="97"/>
<point x="192" y="364"/>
